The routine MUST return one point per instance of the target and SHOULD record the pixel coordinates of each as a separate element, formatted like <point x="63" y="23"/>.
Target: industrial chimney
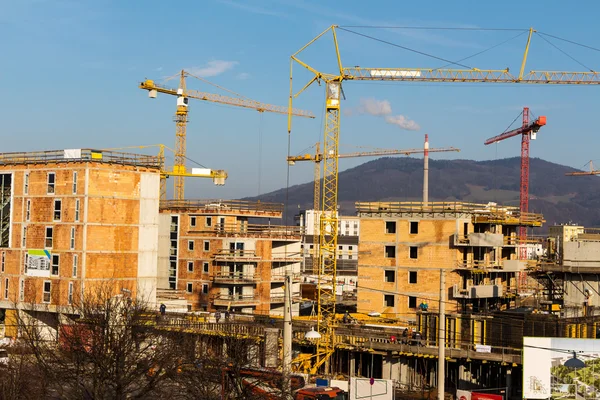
<point x="426" y="171"/>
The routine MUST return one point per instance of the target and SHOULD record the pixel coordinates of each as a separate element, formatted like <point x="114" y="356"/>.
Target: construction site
<point x="410" y="299"/>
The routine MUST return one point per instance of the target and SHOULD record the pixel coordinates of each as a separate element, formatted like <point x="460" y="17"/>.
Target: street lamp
<point x="574" y="362"/>
<point x="312" y="334"/>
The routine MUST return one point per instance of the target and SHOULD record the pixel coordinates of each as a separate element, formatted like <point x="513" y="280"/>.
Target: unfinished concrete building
<point x="347" y="263"/>
<point x="403" y="247"/>
<point x="72" y="219"/>
<point x="215" y="256"/>
<point x="570" y="271"/>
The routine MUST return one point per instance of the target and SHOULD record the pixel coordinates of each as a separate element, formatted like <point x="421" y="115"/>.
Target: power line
<point x="406" y="48"/>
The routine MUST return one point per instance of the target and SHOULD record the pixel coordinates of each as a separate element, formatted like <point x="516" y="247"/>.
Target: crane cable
<point x="566" y="54"/>
<point x="404" y="48"/>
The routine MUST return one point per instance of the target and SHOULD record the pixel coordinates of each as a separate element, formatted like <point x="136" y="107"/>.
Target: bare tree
<point x="226" y="367"/>
<point x="20" y="378"/>
<point x="110" y="351"/>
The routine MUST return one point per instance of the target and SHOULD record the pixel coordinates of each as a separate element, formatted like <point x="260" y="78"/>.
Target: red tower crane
<point x="527" y="131"/>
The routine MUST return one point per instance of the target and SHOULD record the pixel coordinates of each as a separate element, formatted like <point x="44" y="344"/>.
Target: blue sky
<point x="70" y="68"/>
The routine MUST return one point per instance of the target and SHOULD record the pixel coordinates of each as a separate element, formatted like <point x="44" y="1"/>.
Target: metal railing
<point x="225" y="206"/>
<point x="280" y="298"/>
<point x="228" y="328"/>
<point x="53" y="156"/>
<point x="224" y="299"/>
<point x="281" y="277"/>
<point x="235" y="277"/>
<point x="251" y="230"/>
<point x="480" y="212"/>
<point x="235" y="254"/>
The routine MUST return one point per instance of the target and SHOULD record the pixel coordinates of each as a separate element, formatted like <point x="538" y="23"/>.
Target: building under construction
<point x="403" y="246"/>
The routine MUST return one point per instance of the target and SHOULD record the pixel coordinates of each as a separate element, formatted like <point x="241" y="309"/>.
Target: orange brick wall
<point x="111" y="230"/>
<point x="433" y="252"/>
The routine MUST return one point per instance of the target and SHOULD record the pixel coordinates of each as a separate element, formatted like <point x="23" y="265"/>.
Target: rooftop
<point x="78" y="155"/>
<point x="224" y="207"/>
<point x="480" y="213"/>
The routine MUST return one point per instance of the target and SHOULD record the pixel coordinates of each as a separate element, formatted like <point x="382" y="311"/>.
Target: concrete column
<point x="386" y="370"/>
<point x="352" y="366"/>
<point x="271" y="347"/>
<point x="508" y="382"/>
<point x="404" y="372"/>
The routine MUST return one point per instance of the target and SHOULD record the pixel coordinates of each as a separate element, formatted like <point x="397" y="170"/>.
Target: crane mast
<point x="526" y="131"/>
<point x="181" y="118"/>
<point x="333" y="83"/>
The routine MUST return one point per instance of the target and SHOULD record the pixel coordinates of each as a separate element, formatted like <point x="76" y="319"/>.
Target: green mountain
<point x="562" y="199"/>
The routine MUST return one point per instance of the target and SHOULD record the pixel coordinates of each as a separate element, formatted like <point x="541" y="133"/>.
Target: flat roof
<point x="224" y="207"/>
<point x="80" y="155"/>
<point x="480" y="213"/>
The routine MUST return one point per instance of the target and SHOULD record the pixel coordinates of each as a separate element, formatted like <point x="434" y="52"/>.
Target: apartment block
<point x="347" y="262"/>
<point x="227" y="255"/>
<point x="569" y="271"/>
<point x="404" y="246"/>
<point x="70" y="219"/>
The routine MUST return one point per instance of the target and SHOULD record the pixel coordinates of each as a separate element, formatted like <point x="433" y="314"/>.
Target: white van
<point x="3" y="357"/>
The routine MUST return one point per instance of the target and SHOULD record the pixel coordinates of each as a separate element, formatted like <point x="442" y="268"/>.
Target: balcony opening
<point x="5" y="214"/>
<point x="57" y="210"/>
<point x="390" y="251"/>
<point x="412" y="277"/>
<point x="51" y="180"/>
<point x="388" y="300"/>
<point x="412" y="302"/>
<point x="414" y="227"/>
<point x="414" y="252"/>
<point x="390" y="226"/>
<point x="390" y="276"/>
<point x="49" y="237"/>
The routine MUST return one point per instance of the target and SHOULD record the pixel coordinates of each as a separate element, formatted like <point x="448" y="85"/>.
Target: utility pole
<point x="442" y="337"/>
<point x="426" y="171"/>
<point x="287" y="334"/>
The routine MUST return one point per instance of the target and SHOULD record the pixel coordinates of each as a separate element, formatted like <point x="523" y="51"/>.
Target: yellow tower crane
<point x="181" y="116"/>
<point x="218" y="176"/>
<point x="318" y="157"/>
<point x="333" y="94"/>
<point x="592" y="171"/>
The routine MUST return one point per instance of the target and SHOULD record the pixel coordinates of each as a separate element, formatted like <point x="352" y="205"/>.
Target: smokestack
<point x="426" y="171"/>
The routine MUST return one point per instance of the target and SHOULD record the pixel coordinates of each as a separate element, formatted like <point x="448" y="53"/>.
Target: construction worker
<point x="346" y="319"/>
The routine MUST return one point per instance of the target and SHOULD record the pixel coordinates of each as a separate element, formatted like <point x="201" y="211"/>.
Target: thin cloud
<point x="375" y="107"/>
<point x="212" y="68"/>
<point x="243" y="76"/>
<point x="252" y="9"/>
<point x="402" y="122"/>
<point x="383" y="108"/>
